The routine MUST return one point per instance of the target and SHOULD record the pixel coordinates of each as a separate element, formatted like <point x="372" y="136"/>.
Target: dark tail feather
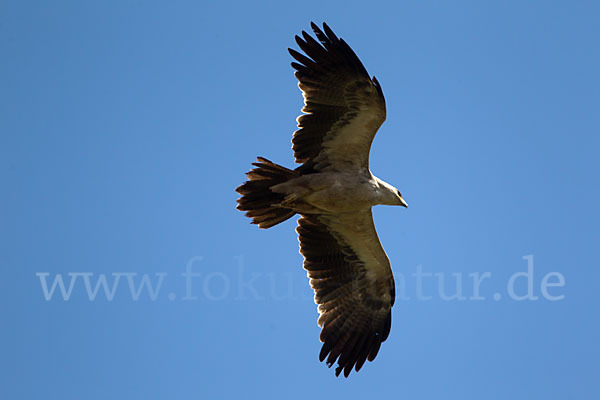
<point x="259" y="202"/>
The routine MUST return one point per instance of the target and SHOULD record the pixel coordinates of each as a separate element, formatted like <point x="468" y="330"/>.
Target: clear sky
<point x="125" y="127"/>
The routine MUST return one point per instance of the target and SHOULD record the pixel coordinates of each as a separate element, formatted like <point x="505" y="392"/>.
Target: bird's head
<point x="390" y="196"/>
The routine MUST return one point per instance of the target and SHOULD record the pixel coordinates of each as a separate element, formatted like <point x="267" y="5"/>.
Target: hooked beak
<point x="402" y="202"/>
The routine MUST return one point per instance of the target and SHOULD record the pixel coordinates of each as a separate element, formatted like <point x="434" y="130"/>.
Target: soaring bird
<point x="333" y="191"/>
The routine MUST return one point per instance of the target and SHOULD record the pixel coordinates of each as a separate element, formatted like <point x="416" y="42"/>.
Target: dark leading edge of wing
<point x="354" y="321"/>
<point x="338" y="92"/>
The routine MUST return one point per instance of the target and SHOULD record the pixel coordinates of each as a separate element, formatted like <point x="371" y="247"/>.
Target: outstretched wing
<point x="353" y="283"/>
<point x="343" y="106"/>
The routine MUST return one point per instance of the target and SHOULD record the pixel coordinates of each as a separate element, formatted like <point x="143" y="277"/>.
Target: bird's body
<point x="333" y="191"/>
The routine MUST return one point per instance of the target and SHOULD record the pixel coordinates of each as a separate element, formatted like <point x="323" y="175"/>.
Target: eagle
<point x="333" y="191"/>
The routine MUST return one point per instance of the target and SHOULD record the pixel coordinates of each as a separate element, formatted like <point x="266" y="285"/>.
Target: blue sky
<point x="126" y="126"/>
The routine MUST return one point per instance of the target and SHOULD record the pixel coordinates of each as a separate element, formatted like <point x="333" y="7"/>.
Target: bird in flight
<point x="333" y="190"/>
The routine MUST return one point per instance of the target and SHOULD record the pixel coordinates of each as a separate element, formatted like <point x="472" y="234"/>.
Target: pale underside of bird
<point x="333" y="191"/>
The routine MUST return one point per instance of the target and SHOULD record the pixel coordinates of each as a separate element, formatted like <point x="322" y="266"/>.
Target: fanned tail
<point x="259" y="202"/>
